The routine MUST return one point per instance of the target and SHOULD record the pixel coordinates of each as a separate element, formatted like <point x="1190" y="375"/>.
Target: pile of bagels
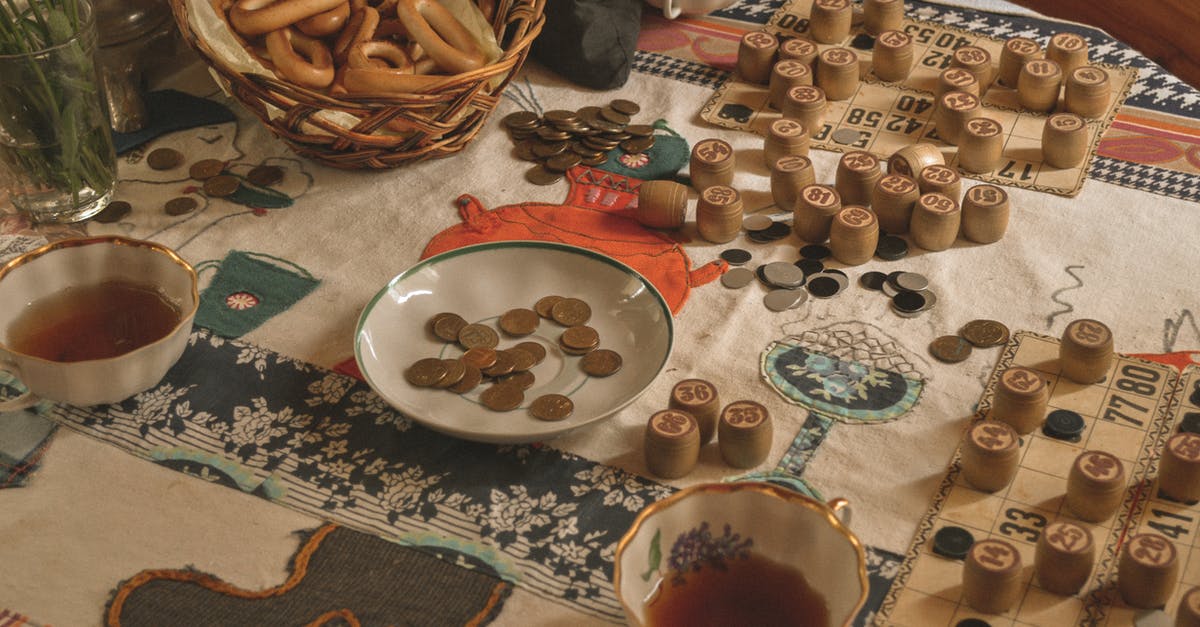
<point x="358" y="47"/>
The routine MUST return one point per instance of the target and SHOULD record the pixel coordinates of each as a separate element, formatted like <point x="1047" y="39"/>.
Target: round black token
<point x="891" y="248"/>
<point x="810" y="266"/>
<point x="909" y="302"/>
<point x="891" y="279"/>
<point x="872" y="280"/>
<point x="778" y="230"/>
<point x="823" y="287"/>
<point x="972" y="622"/>
<point x="836" y="271"/>
<point x="762" y="277"/>
<point x="815" y="251"/>
<point x="760" y="237"/>
<point x="1190" y="423"/>
<point x="952" y="542"/>
<point x="1064" y="424"/>
<point x="735" y="256"/>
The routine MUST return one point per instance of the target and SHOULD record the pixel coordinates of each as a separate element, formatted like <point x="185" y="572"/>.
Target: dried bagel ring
<point x="361" y="27"/>
<point x="441" y="35"/>
<point x="368" y="53"/>
<point x="258" y="17"/>
<point x="299" y="58"/>
<point x="327" y="23"/>
<point x="372" y="81"/>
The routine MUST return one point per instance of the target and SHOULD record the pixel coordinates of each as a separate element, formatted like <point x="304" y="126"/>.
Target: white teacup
<point x="779" y="524"/>
<point x="672" y="9"/>
<point x="77" y="262"/>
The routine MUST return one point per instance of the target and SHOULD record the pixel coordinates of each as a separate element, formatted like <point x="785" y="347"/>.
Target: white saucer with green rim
<point x="483" y="281"/>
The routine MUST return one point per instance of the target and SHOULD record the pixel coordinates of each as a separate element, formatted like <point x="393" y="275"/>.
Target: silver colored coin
<point x="841" y="279"/>
<point x="737" y="278"/>
<point x="757" y="222"/>
<point x="905" y="314"/>
<point x="846" y="136"/>
<point x="783" y="274"/>
<point x="930" y="300"/>
<point x="911" y="281"/>
<point x="782" y="300"/>
<point x="890" y="290"/>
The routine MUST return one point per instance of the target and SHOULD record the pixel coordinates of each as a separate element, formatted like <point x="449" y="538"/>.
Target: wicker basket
<point x="444" y="120"/>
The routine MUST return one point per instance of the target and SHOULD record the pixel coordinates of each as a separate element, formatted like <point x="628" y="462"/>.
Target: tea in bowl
<point x="88" y="321"/>
<point x="740" y="554"/>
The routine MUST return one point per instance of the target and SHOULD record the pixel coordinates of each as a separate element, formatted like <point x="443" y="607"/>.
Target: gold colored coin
<point x="522" y="360"/>
<point x="206" y="169"/>
<point x="985" y="333"/>
<point x="523" y="380"/>
<point x="504" y="365"/>
<point x="502" y="397"/>
<point x="571" y="312"/>
<point x="180" y="206"/>
<point x="470" y="380"/>
<point x="265" y="175"/>
<point x="551" y="407"/>
<point x="478" y="336"/>
<point x="480" y="357"/>
<point x="456" y="369"/>
<point x="628" y="107"/>
<point x="425" y="372"/>
<point x="541" y="176"/>
<point x="639" y="145"/>
<point x="164" y="158"/>
<point x="446" y="326"/>
<point x="533" y="348"/>
<point x="601" y="363"/>
<point x="581" y="337"/>
<point x="519" y="321"/>
<point x="571" y="350"/>
<point x="545" y="304"/>
<point x="222" y="185"/>
<point x="950" y="349"/>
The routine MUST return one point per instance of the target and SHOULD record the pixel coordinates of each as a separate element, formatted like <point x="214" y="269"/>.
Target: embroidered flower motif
<point x="241" y="301"/>
<point x="635" y="160"/>
<point x="820" y="364"/>
<point x="329" y="390"/>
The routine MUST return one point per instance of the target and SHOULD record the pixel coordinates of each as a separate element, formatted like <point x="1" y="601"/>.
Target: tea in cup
<point x="740" y="554"/>
<point x="88" y="321"/>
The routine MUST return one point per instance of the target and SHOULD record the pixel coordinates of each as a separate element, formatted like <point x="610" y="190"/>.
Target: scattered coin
<point x="823" y="286"/>
<point x="562" y="162"/>
<point x="455" y="370"/>
<point x="571" y="312"/>
<point x="519" y="321"/>
<point x="737" y="278"/>
<point x="911" y="281"/>
<point x="846" y="136"/>
<point x="522" y="360"/>
<point x="820" y="252"/>
<point x="930" y="299"/>
<point x="164" y="159"/>
<point x="502" y="397"/>
<point x="757" y="222"/>
<point x="115" y="210"/>
<point x="206" y="169"/>
<point x="580" y="337"/>
<point x="520" y="378"/>
<point x="601" y="362"/>
<point x="478" y="335"/>
<point x="545" y="304"/>
<point x="810" y="266"/>
<point x="265" y="175"/>
<point x="908" y="304"/>
<point x="843" y="281"/>
<point x="778" y="230"/>
<point x="891" y="248"/>
<point x="628" y="107"/>
<point x="784" y="299"/>
<point x="471" y="379"/>
<point x="985" y="333"/>
<point x="551" y="407"/>
<point x="537" y="351"/>
<point x="736" y="256"/>
<point x="539" y="175"/>
<point x="480" y="357"/>
<point x="446" y="326"/>
<point x="784" y="275"/>
<point x="950" y="349"/>
<point x="505" y="364"/>
<point x="222" y="185"/>
<point x="180" y="206"/>
<point x="425" y="372"/>
<point x="872" y="280"/>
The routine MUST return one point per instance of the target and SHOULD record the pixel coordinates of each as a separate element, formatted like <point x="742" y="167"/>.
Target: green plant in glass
<point x="54" y="136"/>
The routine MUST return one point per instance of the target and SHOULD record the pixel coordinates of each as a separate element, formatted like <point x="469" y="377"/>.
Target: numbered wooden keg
<point x="981" y="145"/>
<point x="1147" y="571"/>
<point x="807" y="104"/>
<point x="991" y="576"/>
<point x="1085" y="352"/>
<point x="1063" y="557"/>
<point x="941" y="179"/>
<point x="1038" y="85"/>
<point x="801" y="50"/>
<point x="829" y="21"/>
<point x="881" y="16"/>
<point x="892" y="57"/>
<point x="699" y="398"/>
<point x="837" y="73"/>
<point x="1179" y="468"/>
<point x="956" y="79"/>
<point x="1064" y="140"/>
<point x="892" y="200"/>
<point x="1068" y="50"/>
<point x="816" y="207"/>
<point x="661" y="204"/>
<point x="785" y="137"/>
<point x="912" y="159"/>
<point x="719" y="213"/>
<point x="789" y="175"/>
<point x="978" y="62"/>
<point x="1087" y="92"/>
<point x="756" y="56"/>
<point x="712" y="163"/>
<point x="953" y="110"/>
<point x="671" y="444"/>
<point x="1020" y="399"/>
<point x="744" y="434"/>
<point x="1016" y="52"/>
<point x="935" y="221"/>
<point x="1187" y="614"/>
<point x="985" y="214"/>
<point x="857" y="173"/>
<point x="1095" y="486"/>
<point x="786" y="74"/>
<point x="853" y="235"/>
<point x="991" y="455"/>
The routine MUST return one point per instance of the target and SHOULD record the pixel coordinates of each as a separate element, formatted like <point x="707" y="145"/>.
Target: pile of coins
<point x="784" y="280"/>
<point x="560" y="140"/>
<point x="761" y="229"/>
<point x="952" y="349"/>
<point x="509" y="369"/>
<point x="909" y="292"/>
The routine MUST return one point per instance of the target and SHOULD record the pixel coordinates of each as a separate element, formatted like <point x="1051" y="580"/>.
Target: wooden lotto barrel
<point x="661" y="204"/>
<point x="853" y="235"/>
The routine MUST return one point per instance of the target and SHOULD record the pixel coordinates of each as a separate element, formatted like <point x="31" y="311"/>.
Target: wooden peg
<point x="978" y="62"/>
<point x="912" y="159"/>
<point x="837" y="73"/>
<point x="661" y="204"/>
<point x="719" y="214"/>
<point x="991" y="455"/>
<point x="671" y="444"/>
<point x="1013" y="56"/>
<point x="1087" y="91"/>
<point x="1068" y="50"/>
<point x="956" y="79"/>
<point x="880" y="16"/>
<point x="787" y="74"/>
<point x="953" y="110"/>
<point x="853" y="235"/>
<point x="1038" y="85"/>
<point x="1188" y="612"/>
<point x="935" y="221"/>
<point x="829" y="21"/>
<point x="985" y="214"/>
<point x="789" y="175"/>
<point x="1020" y="399"/>
<point x="1064" y="140"/>
<point x="1095" y="486"/>
<point x="711" y="163"/>
<point x="892" y="56"/>
<point x="981" y="145"/>
<point x="806" y="104"/>
<point x="1179" y="468"/>
<point x="756" y="56"/>
<point x="892" y="200"/>
<point x="797" y="49"/>
<point x="785" y="137"/>
<point x="941" y="179"/>
<point x="992" y="576"/>
<point x="1147" y="571"/>
<point x="744" y="434"/>
<point x="1085" y="352"/>
<point x="857" y="173"/>
<point x="815" y="208"/>
<point x="699" y="399"/>
<point x="1063" y="557"/>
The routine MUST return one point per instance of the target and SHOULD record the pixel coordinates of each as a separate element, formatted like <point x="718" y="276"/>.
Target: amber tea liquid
<point x="93" y="322"/>
<point x="752" y="591"/>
